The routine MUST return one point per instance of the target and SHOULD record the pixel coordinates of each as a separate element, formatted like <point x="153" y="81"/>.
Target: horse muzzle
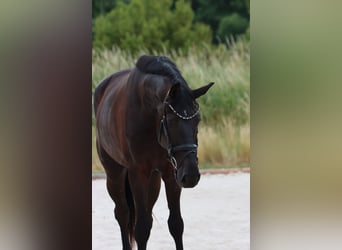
<point x="187" y="174"/>
<point x="190" y="180"/>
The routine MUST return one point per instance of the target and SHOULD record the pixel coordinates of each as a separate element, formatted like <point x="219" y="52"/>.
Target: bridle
<point x="172" y="149"/>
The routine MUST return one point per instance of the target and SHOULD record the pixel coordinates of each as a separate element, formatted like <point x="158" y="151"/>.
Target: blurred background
<point x="209" y="42"/>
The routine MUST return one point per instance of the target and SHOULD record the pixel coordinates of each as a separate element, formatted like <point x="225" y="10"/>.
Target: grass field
<point x="224" y="131"/>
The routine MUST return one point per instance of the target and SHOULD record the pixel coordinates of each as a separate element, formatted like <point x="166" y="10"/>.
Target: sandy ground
<point x="216" y="215"/>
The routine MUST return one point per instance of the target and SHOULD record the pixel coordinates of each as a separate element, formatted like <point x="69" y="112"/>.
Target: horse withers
<point x="146" y="130"/>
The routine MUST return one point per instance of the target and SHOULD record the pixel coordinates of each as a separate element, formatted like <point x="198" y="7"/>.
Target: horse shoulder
<point x="108" y="103"/>
<point x="103" y="85"/>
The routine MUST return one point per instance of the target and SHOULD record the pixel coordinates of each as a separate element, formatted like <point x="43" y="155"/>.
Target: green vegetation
<point x="96" y="164"/>
<point x="226" y="18"/>
<point x="155" y="26"/>
<point x="224" y="130"/>
<point x="232" y="24"/>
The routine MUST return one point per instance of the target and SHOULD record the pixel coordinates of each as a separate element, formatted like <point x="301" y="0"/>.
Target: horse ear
<point x="174" y="91"/>
<point x="202" y="90"/>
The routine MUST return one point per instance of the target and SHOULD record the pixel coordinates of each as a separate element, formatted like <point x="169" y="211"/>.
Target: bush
<point x="232" y="25"/>
<point x="151" y="24"/>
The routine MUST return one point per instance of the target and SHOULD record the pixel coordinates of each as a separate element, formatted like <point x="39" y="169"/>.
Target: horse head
<point x="179" y="118"/>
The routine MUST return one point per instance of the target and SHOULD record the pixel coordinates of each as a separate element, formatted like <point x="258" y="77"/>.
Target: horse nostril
<point x="184" y="179"/>
<point x="190" y="180"/>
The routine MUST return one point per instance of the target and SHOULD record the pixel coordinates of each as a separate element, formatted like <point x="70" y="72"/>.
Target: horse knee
<point x="121" y="214"/>
<point x="144" y="224"/>
<point x="142" y="229"/>
<point x="176" y="225"/>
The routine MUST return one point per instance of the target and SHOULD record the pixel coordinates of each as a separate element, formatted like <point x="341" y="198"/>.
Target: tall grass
<point x="224" y="130"/>
<point x="224" y="144"/>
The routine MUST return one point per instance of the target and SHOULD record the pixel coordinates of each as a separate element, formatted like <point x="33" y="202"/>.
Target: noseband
<point x="172" y="149"/>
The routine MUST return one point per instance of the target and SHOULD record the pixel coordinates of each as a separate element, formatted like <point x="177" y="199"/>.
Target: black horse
<point x="147" y="120"/>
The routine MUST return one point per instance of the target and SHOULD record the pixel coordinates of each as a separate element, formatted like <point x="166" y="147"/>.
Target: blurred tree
<point x="233" y="24"/>
<point x="152" y="24"/>
<point x="101" y="7"/>
<point x="213" y="13"/>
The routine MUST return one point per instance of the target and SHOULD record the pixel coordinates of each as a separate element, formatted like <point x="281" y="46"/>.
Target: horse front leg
<point x="116" y="186"/>
<point x="175" y="221"/>
<point x="121" y="213"/>
<point x="140" y="187"/>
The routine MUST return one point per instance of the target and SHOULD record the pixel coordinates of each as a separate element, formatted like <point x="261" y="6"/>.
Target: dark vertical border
<point x="46" y="125"/>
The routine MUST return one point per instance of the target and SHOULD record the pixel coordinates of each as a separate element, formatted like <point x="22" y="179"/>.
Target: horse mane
<point x="160" y="65"/>
<point x="163" y="66"/>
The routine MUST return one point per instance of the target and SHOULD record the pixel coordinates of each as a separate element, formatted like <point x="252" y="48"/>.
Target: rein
<point x="171" y="149"/>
